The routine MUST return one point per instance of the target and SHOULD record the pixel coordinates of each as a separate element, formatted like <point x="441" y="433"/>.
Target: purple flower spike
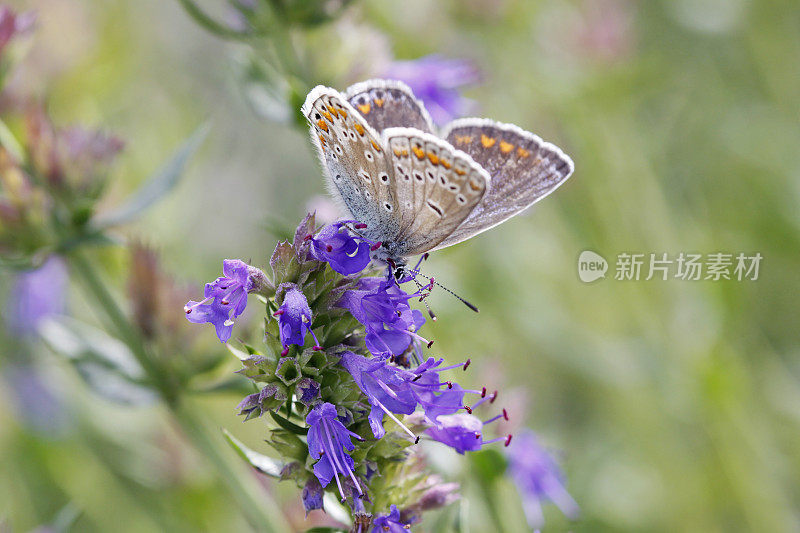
<point x="294" y="320"/>
<point x="436" y="81"/>
<point x="382" y="307"/>
<point x="229" y="295"/>
<point x="390" y="522"/>
<point x="346" y="254"/>
<point x="327" y="441"/>
<point x="538" y="479"/>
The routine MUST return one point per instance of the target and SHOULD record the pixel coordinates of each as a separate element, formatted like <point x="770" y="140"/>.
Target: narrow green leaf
<point x="157" y="185"/>
<point x="264" y="464"/>
<point x="287" y="425"/>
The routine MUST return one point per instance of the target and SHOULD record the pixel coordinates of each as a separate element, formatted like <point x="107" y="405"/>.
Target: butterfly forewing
<point x="523" y="169"/>
<point x="436" y="185"/>
<point x="358" y="167"/>
<point x="388" y="104"/>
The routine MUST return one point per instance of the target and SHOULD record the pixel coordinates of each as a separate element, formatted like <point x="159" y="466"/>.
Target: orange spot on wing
<point x="460" y="172"/>
<point x="327" y="116"/>
<point x="364" y="108"/>
<point x="475" y="186"/>
<point x="322" y="124"/>
<point x="445" y="164"/>
<point x="487" y="142"/>
<point x="463" y="139"/>
<point x="322" y="140"/>
<point x="506" y="147"/>
<point x="343" y="113"/>
<point x="378" y="102"/>
<point x="332" y="111"/>
<point x="375" y="145"/>
<point x="523" y="152"/>
<point x="419" y="152"/>
<point x="434" y="158"/>
<point x="359" y="128"/>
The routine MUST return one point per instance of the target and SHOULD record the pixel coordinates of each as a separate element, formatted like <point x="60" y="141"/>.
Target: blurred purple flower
<point x="312" y="495"/>
<point x="336" y="246"/>
<point x="12" y="24"/>
<point x="327" y="441"/>
<point x="437" y="82"/>
<point x="294" y="319"/>
<point x="390" y="522"/>
<point x="37" y="294"/>
<point x="538" y="479"/>
<point x="36" y="400"/>
<point x="229" y="294"/>
<point x="382" y="307"/>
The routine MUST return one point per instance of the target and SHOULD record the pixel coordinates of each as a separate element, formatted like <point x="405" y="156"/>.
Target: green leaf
<point x="106" y="364"/>
<point x="264" y="464"/>
<point x="160" y="183"/>
<point x="287" y="425"/>
<point x="336" y="510"/>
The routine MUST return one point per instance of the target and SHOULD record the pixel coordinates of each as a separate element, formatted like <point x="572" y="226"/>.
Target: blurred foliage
<point x="676" y="404"/>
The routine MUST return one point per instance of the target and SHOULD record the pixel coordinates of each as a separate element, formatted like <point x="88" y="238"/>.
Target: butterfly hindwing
<point x="388" y="104"/>
<point x="437" y="187"/>
<point x="356" y="164"/>
<point x="523" y="170"/>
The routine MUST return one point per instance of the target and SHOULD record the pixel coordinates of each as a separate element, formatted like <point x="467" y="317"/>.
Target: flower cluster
<point x="344" y="375"/>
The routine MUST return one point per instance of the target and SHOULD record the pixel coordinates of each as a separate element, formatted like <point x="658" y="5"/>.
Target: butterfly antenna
<point x="434" y="282"/>
<point x="422" y="297"/>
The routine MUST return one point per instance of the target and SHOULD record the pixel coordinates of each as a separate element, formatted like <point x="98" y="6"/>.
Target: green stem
<point x="242" y="485"/>
<point x="220" y="30"/>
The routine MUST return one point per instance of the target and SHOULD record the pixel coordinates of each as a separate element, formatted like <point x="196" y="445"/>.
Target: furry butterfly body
<point x="417" y="191"/>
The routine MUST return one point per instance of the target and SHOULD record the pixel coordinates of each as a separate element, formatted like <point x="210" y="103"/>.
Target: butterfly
<point x="415" y="190"/>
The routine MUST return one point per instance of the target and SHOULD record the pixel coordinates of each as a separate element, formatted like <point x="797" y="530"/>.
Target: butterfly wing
<point x="388" y="104"/>
<point x="436" y="186"/>
<point x="357" y="168"/>
<point x="523" y="169"/>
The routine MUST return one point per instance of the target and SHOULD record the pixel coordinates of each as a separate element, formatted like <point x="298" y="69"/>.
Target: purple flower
<point x="393" y="390"/>
<point x="538" y="479"/>
<point x="294" y="319"/>
<point x="390" y="522"/>
<point x="464" y="431"/>
<point x="387" y="392"/>
<point x="382" y="307"/>
<point x="12" y="24"/>
<point x="229" y="295"/>
<point x="327" y="441"/>
<point x="312" y="495"/>
<point x="436" y="81"/>
<point x="336" y="246"/>
<point x="37" y="295"/>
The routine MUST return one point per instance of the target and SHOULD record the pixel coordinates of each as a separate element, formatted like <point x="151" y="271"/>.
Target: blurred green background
<point x="675" y="404"/>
